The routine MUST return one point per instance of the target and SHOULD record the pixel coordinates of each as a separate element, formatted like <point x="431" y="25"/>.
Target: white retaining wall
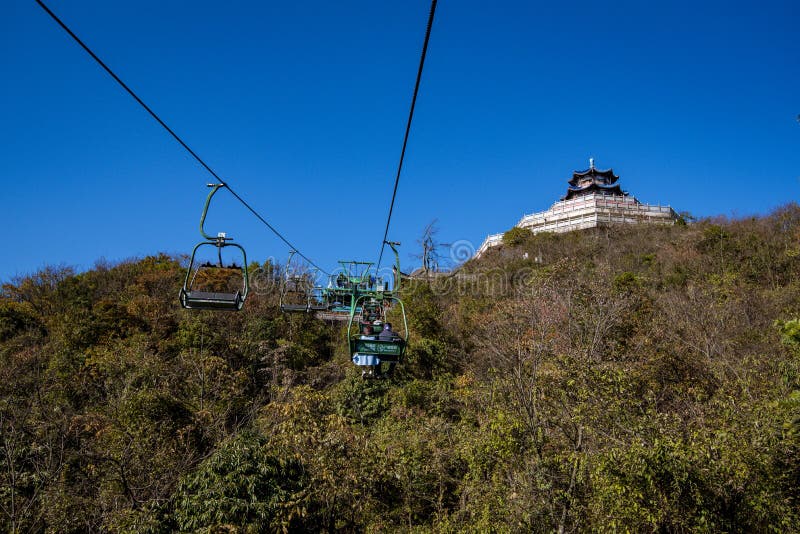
<point x="588" y="211"/>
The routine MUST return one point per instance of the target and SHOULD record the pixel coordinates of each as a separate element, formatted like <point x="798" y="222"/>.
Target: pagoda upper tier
<point x="593" y="180"/>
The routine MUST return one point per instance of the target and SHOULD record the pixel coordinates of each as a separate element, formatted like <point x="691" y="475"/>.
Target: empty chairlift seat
<point x="210" y="286"/>
<point x="208" y="300"/>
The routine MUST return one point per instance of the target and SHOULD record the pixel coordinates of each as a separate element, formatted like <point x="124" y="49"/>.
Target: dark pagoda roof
<point x="593" y="180"/>
<point x="606" y="177"/>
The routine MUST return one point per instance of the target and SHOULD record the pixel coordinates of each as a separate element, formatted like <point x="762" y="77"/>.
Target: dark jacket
<point x="388" y="335"/>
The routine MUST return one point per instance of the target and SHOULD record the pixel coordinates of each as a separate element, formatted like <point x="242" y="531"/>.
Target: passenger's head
<point x="387" y="326"/>
<point x="366" y="329"/>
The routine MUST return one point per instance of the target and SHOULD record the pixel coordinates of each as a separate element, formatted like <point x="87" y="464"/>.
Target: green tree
<point x="244" y="486"/>
<point x="516" y="236"/>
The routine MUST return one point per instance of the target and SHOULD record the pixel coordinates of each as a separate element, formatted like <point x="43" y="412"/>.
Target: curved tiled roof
<point x="606" y="177"/>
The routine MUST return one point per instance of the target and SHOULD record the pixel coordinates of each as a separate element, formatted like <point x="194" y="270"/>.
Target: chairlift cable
<point x="174" y="135"/>
<point x="408" y="130"/>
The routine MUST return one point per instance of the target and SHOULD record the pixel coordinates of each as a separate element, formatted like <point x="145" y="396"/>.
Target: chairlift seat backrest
<point x="386" y="350"/>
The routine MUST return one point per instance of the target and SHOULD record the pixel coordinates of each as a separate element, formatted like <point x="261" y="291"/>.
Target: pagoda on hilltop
<point x="592" y="180"/>
<point x="594" y="199"/>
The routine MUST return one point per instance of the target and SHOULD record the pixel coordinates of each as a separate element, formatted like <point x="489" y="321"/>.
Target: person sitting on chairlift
<point x="366" y="331"/>
<point x="387" y="334"/>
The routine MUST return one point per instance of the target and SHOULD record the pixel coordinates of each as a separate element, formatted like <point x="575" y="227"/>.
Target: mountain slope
<point x="640" y="379"/>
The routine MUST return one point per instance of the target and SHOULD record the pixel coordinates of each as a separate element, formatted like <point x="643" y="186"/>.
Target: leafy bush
<point x="516" y="236"/>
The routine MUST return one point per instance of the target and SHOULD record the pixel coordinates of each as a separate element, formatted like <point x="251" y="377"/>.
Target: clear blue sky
<point x="301" y="106"/>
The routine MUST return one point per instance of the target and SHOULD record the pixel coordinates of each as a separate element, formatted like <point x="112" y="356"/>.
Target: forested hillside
<point x="635" y="379"/>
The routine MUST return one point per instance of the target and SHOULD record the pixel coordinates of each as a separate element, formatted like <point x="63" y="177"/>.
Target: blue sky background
<point x="301" y="107"/>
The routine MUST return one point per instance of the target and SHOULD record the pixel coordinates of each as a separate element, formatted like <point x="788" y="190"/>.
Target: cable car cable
<point x="173" y="134"/>
<point x="408" y="129"/>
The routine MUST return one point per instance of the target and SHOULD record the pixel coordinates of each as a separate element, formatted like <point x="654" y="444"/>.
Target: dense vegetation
<point x="634" y="379"/>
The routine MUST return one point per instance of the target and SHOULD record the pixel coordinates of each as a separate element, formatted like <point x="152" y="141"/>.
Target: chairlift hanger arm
<point x="218" y="237"/>
<point x="393" y="245"/>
